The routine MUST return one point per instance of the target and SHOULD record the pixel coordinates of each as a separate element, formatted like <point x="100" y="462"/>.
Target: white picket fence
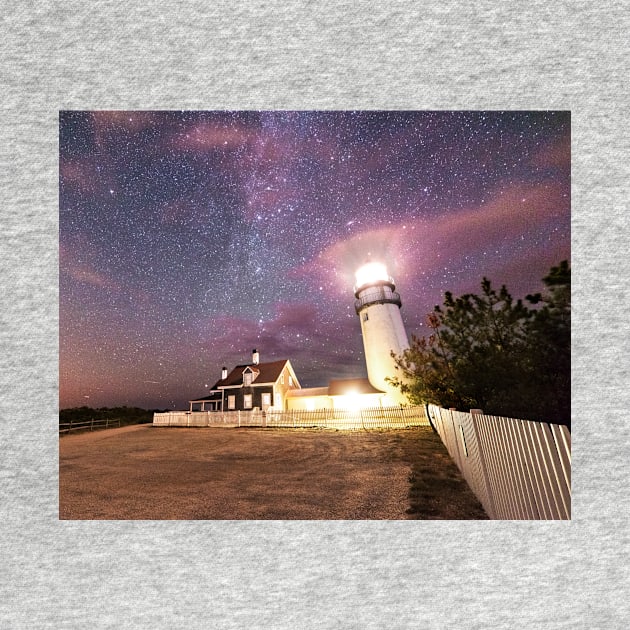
<point x="518" y="469"/>
<point x="371" y="418"/>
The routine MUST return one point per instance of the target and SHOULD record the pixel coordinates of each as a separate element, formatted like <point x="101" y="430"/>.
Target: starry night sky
<point x="189" y="238"/>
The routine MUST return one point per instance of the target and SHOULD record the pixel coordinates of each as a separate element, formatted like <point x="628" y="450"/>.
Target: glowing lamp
<point x="371" y="273"/>
<point x="351" y="400"/>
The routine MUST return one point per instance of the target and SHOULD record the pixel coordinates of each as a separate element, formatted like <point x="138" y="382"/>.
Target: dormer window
<point x="249" y="375"/>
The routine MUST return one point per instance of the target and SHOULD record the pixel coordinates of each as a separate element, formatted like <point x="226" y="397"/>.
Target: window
<point x="247" y="401"/>
<point x="247" y="378"/>
<point x="282" y="378"/>
<point x="265" y="400"/>
<point x="365" y="316"/>
<point x="290" y="381"/>
<point x="231" y="402"/>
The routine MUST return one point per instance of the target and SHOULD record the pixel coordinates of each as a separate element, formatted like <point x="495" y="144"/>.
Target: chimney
<point x="223" y="373"/>
<point x="255" y="356"/>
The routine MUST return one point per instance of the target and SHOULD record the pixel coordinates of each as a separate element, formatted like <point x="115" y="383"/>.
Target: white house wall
<point x="358" y="401"/>
<point x="309" y="403"/>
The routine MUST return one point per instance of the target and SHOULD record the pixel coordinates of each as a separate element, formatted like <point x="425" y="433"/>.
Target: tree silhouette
<point x="491" y="352"/>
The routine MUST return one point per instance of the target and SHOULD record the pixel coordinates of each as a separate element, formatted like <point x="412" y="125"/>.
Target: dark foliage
<point x="126" y="415"/>
<point x="488" y="351"/>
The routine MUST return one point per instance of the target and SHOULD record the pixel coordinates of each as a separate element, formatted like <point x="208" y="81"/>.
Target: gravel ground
<point x="145" y="472"/>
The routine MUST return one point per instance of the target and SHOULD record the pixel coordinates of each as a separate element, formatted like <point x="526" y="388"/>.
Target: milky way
<point x="189" y="238"/>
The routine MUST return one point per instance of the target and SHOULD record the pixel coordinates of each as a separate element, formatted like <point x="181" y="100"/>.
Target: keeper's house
<point x="250" y="386"/>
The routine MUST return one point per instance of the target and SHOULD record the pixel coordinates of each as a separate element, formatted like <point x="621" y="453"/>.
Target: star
<point x="189" y="237"/>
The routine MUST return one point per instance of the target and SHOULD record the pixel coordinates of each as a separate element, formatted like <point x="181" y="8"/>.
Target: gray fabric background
<point x="273" y="55"/>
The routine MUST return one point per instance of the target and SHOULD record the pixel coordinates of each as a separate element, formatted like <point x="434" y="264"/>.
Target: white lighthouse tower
<point x="378" y="307"/>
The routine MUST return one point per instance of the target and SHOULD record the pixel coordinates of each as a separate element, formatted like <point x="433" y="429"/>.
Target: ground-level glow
<point x="353" y="401"/>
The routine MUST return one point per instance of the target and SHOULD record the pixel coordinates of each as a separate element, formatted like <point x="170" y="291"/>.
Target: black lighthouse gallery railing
<point x="377" y="295"/>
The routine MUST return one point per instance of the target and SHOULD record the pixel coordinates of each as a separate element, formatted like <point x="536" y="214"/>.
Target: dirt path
<point x="144" y="472"/>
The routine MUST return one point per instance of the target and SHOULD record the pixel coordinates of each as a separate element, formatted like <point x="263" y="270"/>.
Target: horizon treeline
<point x="128" y="415"/>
